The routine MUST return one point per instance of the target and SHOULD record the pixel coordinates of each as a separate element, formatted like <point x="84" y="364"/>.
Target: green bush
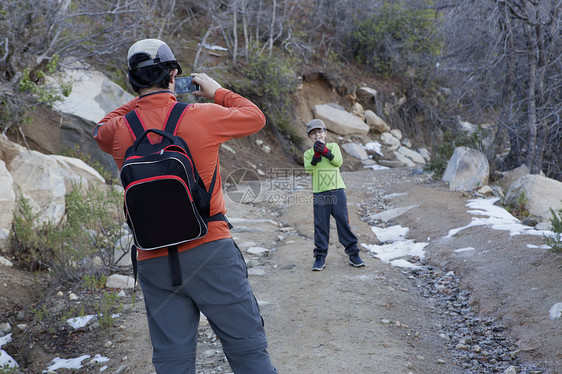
<point x="387" y="41"/>
<point x="30" y="93"/>
<point x="555" y="241"/>
<point x="519" y="210"/>
<point x="90" y="229"/>
<point x="107" y="308"/>
<point x="271" y="85"/>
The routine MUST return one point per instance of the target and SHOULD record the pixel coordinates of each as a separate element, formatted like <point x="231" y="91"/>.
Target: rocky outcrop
<point x="69" y="128"/>
<point x="93" y="94"/>
<point x="366" y="137"/>
<point x="43" y="180"/>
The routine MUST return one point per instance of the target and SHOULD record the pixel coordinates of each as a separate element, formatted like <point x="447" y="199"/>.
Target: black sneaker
<point x="319" y="264"/>
<point x="355" y="260"/>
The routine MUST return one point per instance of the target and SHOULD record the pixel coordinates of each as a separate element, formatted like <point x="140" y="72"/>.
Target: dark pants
<point x="332" y="203"/>
<point x="214" y="283"/>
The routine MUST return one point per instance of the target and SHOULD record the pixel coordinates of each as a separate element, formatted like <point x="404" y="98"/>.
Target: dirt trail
<point x="374" y="319"/>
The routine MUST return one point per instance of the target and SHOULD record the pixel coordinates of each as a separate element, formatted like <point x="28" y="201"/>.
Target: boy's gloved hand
<point x="316" y="158"/>
<point x="319" y="147"/>
<point x="323" y="150"/>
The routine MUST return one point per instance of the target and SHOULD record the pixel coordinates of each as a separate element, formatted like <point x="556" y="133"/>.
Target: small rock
<point x="97" y="262"/>
<point x="119" y="281"/>
<point x="121" y="370"/>
<point x="5" y="262"/>
<point x="261" y="251"/>
<point x="5" y="328"/>
<point x="252" y="263"/>
<point x="257" y="272"/>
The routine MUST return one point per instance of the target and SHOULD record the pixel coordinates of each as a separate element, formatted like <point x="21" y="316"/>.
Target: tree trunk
<point x="234" y="35"/>
<point x="272" y="28"/>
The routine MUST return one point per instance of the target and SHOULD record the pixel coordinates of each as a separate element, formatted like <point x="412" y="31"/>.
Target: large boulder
<point x="467" y="170"/>
<point x="340" y="121"/>
<point x="403" y="159"/>
<point x="411" y="154"/>
<point x="511" y="176"/>
<point x="425" y="154"/>
<point x="93" y="94"/>
<point x="390" y="141"/>
<point x="375" y="122"/>
<point x="37" y="179"/>
<point x="541" y="193"/>
<point x="7" y="204"/>
<point x="43" y="180"/>
<point x="355" y="150"/>
<point x="76" y="171"/>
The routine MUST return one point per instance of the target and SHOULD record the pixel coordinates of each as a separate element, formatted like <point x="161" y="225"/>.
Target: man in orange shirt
<point x="213" y="271"/>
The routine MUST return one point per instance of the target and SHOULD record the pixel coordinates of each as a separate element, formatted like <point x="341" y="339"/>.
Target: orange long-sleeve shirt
<point x="204" y="127"/>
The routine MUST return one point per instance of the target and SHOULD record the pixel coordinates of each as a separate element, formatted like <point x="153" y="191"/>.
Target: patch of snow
<point x="390" y="234"/>
<point x="79" y="322"/>
<point x="467" y="249"/>
<point x="556" y="311"/>
<point x="496" y="217"/>
<point x="70" y="363"/>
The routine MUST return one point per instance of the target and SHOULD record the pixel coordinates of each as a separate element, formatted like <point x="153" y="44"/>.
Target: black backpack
<point x="166" y="201"/>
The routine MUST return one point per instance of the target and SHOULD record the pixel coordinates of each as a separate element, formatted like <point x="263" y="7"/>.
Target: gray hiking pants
<point x="215" y="283"/>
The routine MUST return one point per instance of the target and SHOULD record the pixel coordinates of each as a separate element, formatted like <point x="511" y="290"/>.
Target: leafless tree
<point x="505" y="57"/>
<point x="36" y="32"/>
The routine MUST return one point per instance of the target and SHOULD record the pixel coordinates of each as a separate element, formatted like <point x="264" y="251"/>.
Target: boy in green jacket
<point x="323" y="161"/>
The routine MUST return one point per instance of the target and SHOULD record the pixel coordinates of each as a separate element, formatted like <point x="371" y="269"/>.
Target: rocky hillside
<point x="66" y="130"/>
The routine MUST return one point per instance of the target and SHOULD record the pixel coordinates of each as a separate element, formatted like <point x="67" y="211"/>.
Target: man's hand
<point x="208" y="85"/>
